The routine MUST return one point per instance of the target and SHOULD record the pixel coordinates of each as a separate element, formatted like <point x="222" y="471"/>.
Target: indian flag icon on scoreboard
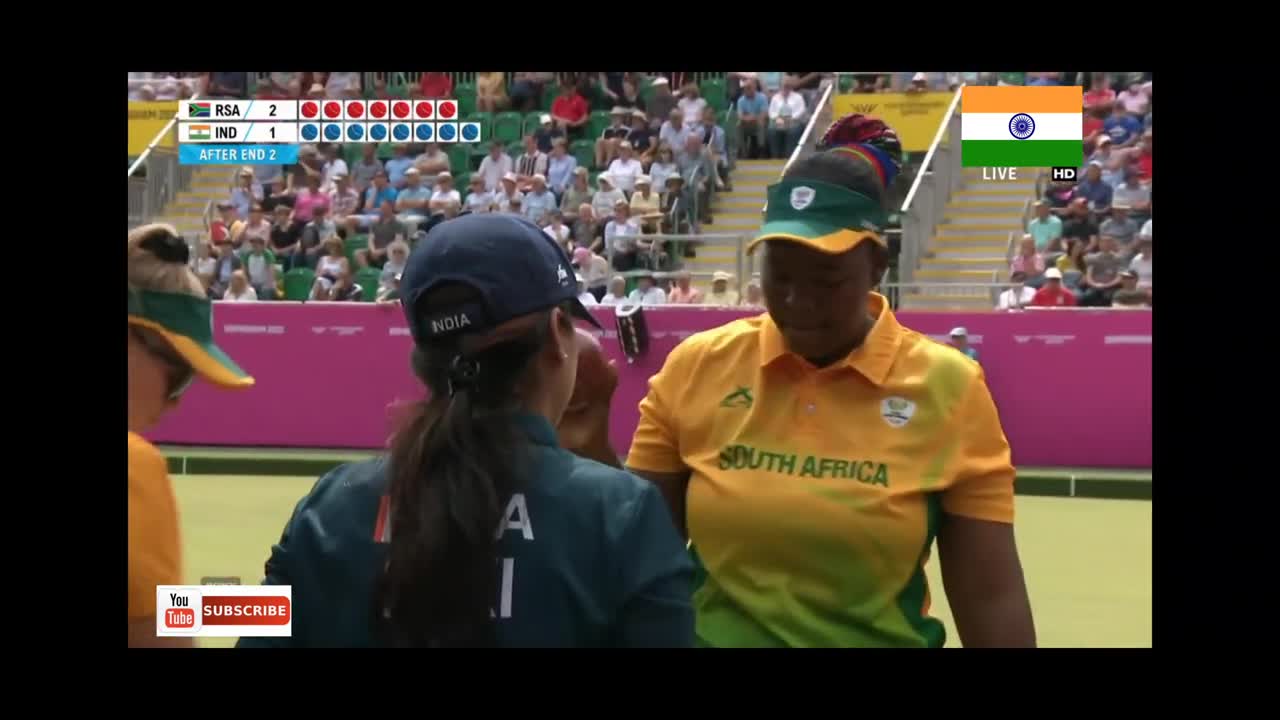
<point x="1014" y="126"/>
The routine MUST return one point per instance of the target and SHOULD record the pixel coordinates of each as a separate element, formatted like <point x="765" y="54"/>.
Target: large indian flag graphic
<point x="1021" y="126"/>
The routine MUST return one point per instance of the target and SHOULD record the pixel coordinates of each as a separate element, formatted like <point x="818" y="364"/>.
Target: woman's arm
<point x="983" y="579"/>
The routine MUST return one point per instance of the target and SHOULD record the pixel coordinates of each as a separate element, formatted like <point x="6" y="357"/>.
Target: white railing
<point x="939" y="176"/>
<point x="150" y="191"/>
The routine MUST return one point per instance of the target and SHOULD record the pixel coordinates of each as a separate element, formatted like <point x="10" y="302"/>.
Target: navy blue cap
<point x="515" y="267"/>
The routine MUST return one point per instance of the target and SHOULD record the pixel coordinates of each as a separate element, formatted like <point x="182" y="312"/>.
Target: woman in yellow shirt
<point x="170" y="341"/>
<point x="491" y="92"/>
<point x="814" y="453"/>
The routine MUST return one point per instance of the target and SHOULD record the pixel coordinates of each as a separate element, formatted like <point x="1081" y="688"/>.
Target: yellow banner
<point x="148" y="118"/>
<point x="915" y="116"/>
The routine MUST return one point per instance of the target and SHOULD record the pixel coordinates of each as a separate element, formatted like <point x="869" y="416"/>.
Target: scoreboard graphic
<point x="231" y="132"/>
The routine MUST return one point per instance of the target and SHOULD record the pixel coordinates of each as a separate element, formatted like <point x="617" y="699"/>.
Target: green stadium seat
<point x="508" y="126"/>
<point x="298" y="282"/>
<point x="461" y="181"/>
<point x="531" y="122"/>
<point x="478" y="151"/>
<point x="846" y="83"/>
<point x="584" y="151"/>
<point x="714" y="91"/>
<point x="596" y="125"/>
<point x="646" y="92"/>
<point x="386" y="151"/>
<point x="354" y="243"/>
<point x="486" y="122"/>
<point x="459" y="157"/>
<point x="466" y="95"/>
<point x="367" y="279"/>
<point x="549" y="97"/>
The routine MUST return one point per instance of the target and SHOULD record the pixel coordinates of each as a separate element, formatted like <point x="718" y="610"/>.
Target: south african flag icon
<point x="198" y="109"/>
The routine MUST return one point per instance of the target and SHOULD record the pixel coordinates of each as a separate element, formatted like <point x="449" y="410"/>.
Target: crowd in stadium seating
<point x="1090" y="241"/>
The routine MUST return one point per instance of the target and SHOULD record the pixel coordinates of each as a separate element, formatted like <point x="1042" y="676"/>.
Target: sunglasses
<point x="180" y="373"/>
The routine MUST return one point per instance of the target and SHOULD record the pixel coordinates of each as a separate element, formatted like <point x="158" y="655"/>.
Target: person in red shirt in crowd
<point x="436" y="86"/>
<point x="1101" y="94"/>
<point x="1144" y="158"/>
<point x="569" y="111"/>
<point x="1053" y="294"/>
<point x="1094" y="120"/>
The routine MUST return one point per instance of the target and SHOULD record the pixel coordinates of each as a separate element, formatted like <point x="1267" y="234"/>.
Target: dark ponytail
<point x="455" y="462"/>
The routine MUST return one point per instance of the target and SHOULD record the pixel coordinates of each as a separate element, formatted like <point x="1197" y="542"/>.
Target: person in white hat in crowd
<point x="547" y="133"/>
<point x="607" y="196"/>
<point x="647" y="291"/>
<point x="646" y="206"/>
<point x="247" y="191"/>
<point x="507" y="194"/>
<point x="643" y="138"/>
<point x="531" y="162"/>
<point x="496" y="165"/>
<point x="1128" y="296"/>
<point x="344" y="203"/>
<point x="919" y="83"/>
<point x="625" y="168"/>
<point x="617" y="293"/>
<point x="677" y="218"/>
<point x="1053" y="293"/>
<point x="612" y="136"/>
<point x="478" y="200"/>
<point x="720" y="293"/>
<point x="560" y="167"/>
<point x="1019" y="295"/>
<point x="660" y="103"/>
<point x="539" y="202"/>
<point x="754" y="297"/>
<point x="959" y="340"/>
<point x="584" y="297"/>
<point x="413" y="202"/>
<point x="445" y="199"/>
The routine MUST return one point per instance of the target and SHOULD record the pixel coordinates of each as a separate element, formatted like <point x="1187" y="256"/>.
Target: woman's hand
<point x="584" y="426"/>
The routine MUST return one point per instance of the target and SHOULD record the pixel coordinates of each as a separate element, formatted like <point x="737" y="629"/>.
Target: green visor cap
<point x="186" y="322"/>
<point x="825" y="217"/>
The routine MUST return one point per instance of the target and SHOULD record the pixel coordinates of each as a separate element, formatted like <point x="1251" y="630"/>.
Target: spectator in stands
<point x="1128" y="295"/>
<point x="560" y="167"/>
<point x="436" y="86"/>
<point x="495" y="166"/>
<point x="753" y="118"/>
<point x="329" y="268"/>
<point x="491" y="92"/>
<point x="378" y="193"/>
<point x="532" y="162"/>
<point x="1094" y="122"/>
<point x="227" y="228"/>
<point x="1053" y="294"/>
<point x="204" y="264"/>
<point x="285" y="237"/>
<point x="695" y="168"/>
<point x="1102" y="152"/>
<point x="1123" y="128"/>
<point x="431" y="163"/>
<point x="386" y="231"/>
<point x="721" y="295"/>
<point x="807" y="85"/>
<point x="575" y="195"/>
<point x="1143" y="162"/>
<point x="346" y="289"/>
<point x="228" y="263"/>
<point x="1027" y="260"/>
<point x="594" y="269"/>
<point x="1079" y="225"/>
<point x="316" y="91"/>
<point x="642" y="137"/>
<point x="343" y="85"/>
<point x="412" y="204"/>
<point x="588" y="231"/>
<point x="344" y="203"/>
<point x="1141" y="263"/>
<point x="754" y="298"/>
<point x="1132" y="194"/>
<point x="620" y="236"/>
<point x="1102" y="274"/>
<point x="310" y="164"/>
<point x="247" y="192"/>
<point x="661" y="103"/>
<point x="691" y="103"/>
<point x="1120" y="227"/>
<point x="539" y="201"/>
<point x="277" y="195"/>
<point x="526" y="90"/>
<point x="1018" y="296"/>
<point x="612" y="136"/>
<point x="786" y="121"/>
<point x="647" y="292"/>
<point x="258" y="226"/>
<point x="663" y="167"/>
<point x="397" y="256"/>
<point x="389" y="295"/>
<point x="398" y="164"/>
<point x="646" y="206"/>
<point x="1101" y="95"/>
<point x="227" y="85"/>
<point x="569" y="111"/>
<point x="677" y="215"/>
<point x="1093" y="189"/>
<point x="445" y="199"/>
<point x="713" y="139"/>
<point x="239" y="290"/>
<point x="478" y="200"/>
<point x="919" y="84"/>
<point x="959" y="340"/>
<point x="308" y="200"/>
<point x="313" y="235"/>
<point x="684" y="293"/>
<point x="334" y="165"/>
<point x="547" y="134"/>
<point x="516" y="205"/>
<point x="675" y="133"/>
<point x="557" y="230"/>
<point x="260" y="265"/>
<point x="1044" y="227"/>
<point x="607" y="196"/>
<point x="1059" y="194"/>
<point x="617" y="293"/>
<point x="508" y="196"/>
<point x="625" y="168"/>
<point x="364" y="171"/>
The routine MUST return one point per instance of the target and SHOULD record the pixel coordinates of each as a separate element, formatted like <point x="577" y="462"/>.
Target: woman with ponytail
<point x="170" y="342"/>
<point x="479" y="529"/>
<point x="815" y="452"/>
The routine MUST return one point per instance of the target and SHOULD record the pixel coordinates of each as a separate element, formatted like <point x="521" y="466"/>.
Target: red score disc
<point x="310" y="109"/>
<point x="355" y="109"/>
<point x="333" y="110"/>
<point x="400" y="109"/>
<point x="378" y="109"/>
<point x="423" y="109"/>
<point x="447" y="109"/>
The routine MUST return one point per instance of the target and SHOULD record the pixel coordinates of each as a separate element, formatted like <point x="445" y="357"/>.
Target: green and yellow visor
<point x="186" y="322"/>
<point x="828" y="218"/>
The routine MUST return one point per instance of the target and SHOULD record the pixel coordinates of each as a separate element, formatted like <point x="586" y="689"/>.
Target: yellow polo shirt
<point x="815" y="494"/>
<point x="155" y="551"/>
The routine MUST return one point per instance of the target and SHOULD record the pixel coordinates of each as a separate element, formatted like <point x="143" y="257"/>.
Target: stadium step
<point x="1010" y="206"/>
<point x="752" y="204"/>
<point x="956" y="276"/>
<point x="972" y="228"/>
<point x="757" y="173"/>
<point x="915" y="301"/>
<point x="733" y="222"/>
<point x="989" y="194"/>
<point x="753" y="188"/>
<point x="1010" y="221"/>
<point x="951" y="252"/>
<point x="964" y="262"/>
